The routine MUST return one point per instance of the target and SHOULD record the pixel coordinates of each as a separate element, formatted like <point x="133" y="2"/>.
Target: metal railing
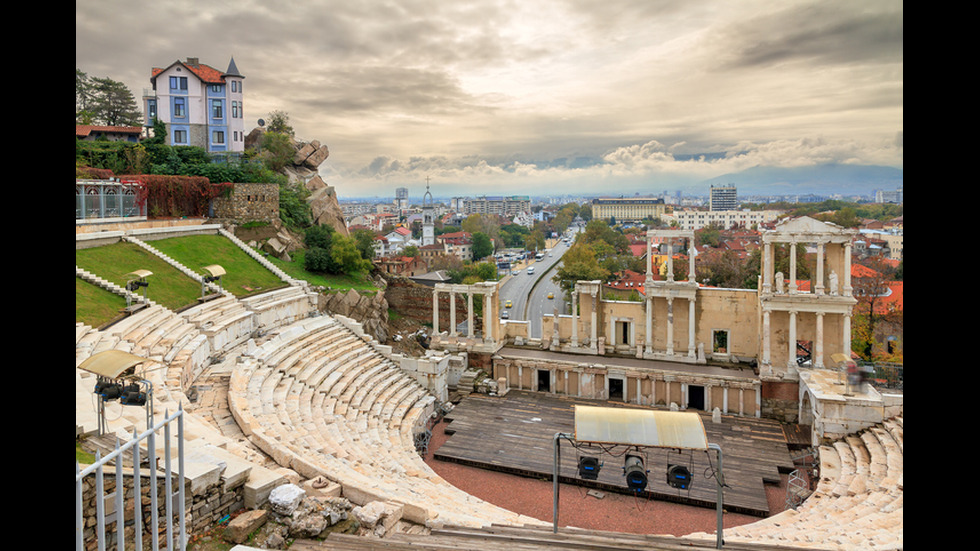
<point x="118" y="515"/>
<point x="885" y="374"/>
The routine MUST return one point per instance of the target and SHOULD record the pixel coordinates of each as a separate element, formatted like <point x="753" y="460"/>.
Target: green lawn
<point x="175" y="290"/>
<point x="243" y="275"/>
<point x="167" y="286"/>
<point x="295" y="268"/>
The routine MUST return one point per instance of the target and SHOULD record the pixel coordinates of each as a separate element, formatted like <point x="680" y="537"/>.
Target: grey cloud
<point x="826" y="32"/>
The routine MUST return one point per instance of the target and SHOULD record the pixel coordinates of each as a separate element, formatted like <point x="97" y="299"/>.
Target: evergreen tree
<point x="104" y="102"/>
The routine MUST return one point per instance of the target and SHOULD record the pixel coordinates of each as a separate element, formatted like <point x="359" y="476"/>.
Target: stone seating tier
<point x="352" y="419"/>
<point x="858" y="502"/>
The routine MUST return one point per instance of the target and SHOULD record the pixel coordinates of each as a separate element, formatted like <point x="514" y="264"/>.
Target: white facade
<point x="726" y="219"/>
<point x="201" y="106"/>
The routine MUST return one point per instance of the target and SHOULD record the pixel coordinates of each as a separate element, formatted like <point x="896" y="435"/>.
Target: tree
<point x="276" y="150"/>
<point x="578" y="264"/>
<point x="482" y="246"/>
<point x="279" y="123"/>
<point x="348" y="258"/>
<point x="364" y="239"/>
<point x="318" y="237"/>
<point x="411" y="251"/>
<point x="104" y="102"/>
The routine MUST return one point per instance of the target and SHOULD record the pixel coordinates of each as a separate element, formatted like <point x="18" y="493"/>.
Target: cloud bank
<point x="502" y="96"/>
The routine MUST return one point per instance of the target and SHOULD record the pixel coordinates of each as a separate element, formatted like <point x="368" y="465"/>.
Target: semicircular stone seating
<point x="322" y="402"/>
<point x="858" y="502"/>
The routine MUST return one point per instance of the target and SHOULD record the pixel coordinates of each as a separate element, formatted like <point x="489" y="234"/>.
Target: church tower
<point x="428" y="218"/>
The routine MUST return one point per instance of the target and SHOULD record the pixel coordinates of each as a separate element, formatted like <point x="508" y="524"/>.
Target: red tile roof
<point x="204" y="72"/>
<point x="85" y="130"/>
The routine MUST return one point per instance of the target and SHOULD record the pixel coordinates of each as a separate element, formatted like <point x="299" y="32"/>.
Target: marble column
<point x="818" y="345"/>
<point x="593" y="342"/>
<point x="648" y="341"/>
<point x="791" y="361"/>
<point x="818" y="288"/>
<point x="690" y="329"/>
<point x="489" y="320"/>
<point x="574" y="317"/>
<point x="766" y="268"/>
<point x="435" y="311"/>
<point x="792" y="267"/>
<point x="452" y="313"/>
<point x="670" y="326"/>
<point x="766" y="338"/>
<point x="469" y="314"/>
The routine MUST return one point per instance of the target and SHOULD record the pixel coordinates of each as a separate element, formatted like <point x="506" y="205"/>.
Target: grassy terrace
<point x="173" y="289"/>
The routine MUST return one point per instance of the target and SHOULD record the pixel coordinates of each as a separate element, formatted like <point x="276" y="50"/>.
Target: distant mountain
<point x="824" y="179"/>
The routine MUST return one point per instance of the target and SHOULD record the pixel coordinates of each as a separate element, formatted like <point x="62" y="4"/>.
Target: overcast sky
<point x="537" y="96"/>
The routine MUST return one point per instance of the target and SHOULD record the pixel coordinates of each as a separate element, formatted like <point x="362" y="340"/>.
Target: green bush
<point x="319" y="260"/>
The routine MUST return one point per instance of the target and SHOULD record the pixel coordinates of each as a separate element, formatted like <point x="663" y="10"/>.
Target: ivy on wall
<point x="177" y="196"/>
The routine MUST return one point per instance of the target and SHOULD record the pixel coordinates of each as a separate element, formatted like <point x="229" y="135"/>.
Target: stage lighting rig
<point x="636" y="474"/>
<point x="137" y="279"/>
<point x="678" y="476"/>
<point x="588" y="467"/>
<point x="118" y="378"/>
<point x="213" y="274"/>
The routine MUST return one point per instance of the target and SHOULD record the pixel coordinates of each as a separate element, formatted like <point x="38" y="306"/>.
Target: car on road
<point x="530" y="270"/>
<point x="509" y="304"/>
<point x="551" y="295"/>
<point x="505" y="315"/>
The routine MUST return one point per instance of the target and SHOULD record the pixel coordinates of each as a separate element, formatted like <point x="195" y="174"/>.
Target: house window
<point x="151" y="109"/>
<point x="218" y="137"/>
<point x="178" y="83"/>
<point x="179" y="107"/>
<point x="234" y="109"/>
<point x="216" y="109"/>
<point x="180" y="136"/>
<point x="234" y="86"/>
<point x="216" y="88"/>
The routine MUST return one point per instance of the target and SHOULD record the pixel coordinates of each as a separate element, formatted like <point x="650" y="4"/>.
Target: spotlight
<point x="108" y="390"/>
<point x="588" y="467"/>
<point x="678" y="476"/>
<point x="636" y="475"/>
<point x="132" y="395"/>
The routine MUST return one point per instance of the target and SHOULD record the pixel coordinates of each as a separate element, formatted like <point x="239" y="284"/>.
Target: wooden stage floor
<point x="515" y="434"/>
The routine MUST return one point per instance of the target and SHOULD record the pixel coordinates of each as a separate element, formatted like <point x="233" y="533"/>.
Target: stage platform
<point x="515" y="434"/>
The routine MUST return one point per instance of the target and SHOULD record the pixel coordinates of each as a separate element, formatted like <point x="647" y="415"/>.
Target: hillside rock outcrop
<point x="371" y="310"/>
<point x="325" y="209"/>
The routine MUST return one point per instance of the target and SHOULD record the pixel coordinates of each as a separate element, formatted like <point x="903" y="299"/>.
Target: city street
<point x="528" y="293"/>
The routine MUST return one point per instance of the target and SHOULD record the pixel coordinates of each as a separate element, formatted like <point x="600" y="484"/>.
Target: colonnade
<point x="488" y="290"/>
<point x="831" y="293"/>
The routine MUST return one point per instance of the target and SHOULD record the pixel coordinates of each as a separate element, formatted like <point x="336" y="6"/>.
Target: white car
<point x="505" y="315"/>
<point x="530" y="270"/>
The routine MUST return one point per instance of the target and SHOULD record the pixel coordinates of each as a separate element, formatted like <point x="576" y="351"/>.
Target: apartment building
<point x="200" y="105"/>
<point x="723" y="198"/>
<point x="632" y="209"/>
<point x="507" y="206"/>
<point x="690" y="219"/>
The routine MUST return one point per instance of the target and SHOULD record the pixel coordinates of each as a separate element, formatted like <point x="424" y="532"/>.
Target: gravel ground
<point x="614" y="512"/>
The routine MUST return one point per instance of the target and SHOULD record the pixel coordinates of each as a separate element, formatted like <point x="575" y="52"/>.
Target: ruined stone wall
<point x="414" y="301"/>
<point x="203" y="509"/>
<point x="249" y="203"/>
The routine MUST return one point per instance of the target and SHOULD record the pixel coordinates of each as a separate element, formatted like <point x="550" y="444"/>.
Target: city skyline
<point x="538" y="98"/>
